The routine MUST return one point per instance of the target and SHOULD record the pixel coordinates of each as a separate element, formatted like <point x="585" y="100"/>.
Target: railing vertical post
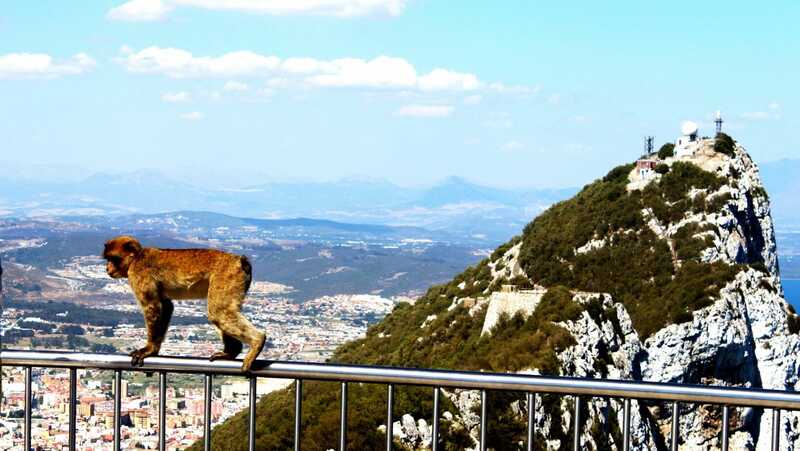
<point x="776" y="429"/>
<point x="531" y="420"/>
<point x="389" y="417"/>
<point x="483" y="420"/>
<point x="251" y="426"/>
<point x="675" y="427"/>
<point x="626" y="425"/>
<point x="162" y="411"/>
<point x="73" y="398"/>
<point x="576" y="440"/>
<point x="725" y="421"/>
<point x="207" y="413"/>
<point x="298" y="409"/>
<point x="343" y="420"/>
<point x="28" y="409"/>
<point x="117" y="409"/>
<point x="435" y="434"/>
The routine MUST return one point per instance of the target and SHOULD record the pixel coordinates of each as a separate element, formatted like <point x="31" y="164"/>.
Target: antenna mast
<point x="718" y="121"/>
<point x="648" y="145"/>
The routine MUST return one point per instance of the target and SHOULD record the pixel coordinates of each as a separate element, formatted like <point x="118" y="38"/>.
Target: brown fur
<point x="158" y="276"/>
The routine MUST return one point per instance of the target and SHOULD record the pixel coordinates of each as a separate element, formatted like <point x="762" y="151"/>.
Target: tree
<point x="724" y="144"/>
<point x="667" y="150"/>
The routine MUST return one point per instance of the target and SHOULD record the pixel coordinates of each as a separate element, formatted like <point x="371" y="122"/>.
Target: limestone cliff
<point x="663" y="270"/>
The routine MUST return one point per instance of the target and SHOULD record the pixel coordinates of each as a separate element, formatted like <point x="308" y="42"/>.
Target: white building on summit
<point x="687" y="144"/>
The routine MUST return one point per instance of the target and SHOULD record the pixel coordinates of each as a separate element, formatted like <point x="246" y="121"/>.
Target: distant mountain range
<point x="456" y="205"/>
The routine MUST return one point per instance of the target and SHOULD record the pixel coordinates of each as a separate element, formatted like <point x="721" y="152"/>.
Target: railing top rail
<point x="415" y="376"/>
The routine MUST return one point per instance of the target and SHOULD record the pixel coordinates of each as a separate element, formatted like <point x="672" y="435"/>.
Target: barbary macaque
<point x="159" y="276"/>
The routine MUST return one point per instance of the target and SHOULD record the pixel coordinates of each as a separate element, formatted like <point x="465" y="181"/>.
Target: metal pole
<point x="251" y="427"/>
<point x="28" y="409"/>
<point x="435" y="434"/>
<point x="389" y="418"/>
<point x="73" y="397"/>
<point x="483" y="420"/>
<point x="626" y="425"/>
<point x="576" y="440"/>
<point x="675" y="427"/>
<point x="117" y="409"/>
<point x="207" y="414"/>
<point x="776" y="429"/>
<point x="531" y="422"/>
<point x="343" y="420"/>
<point x="162" y="411"/>
<point x="298" y="408"/>
<point x="725" y="420"/>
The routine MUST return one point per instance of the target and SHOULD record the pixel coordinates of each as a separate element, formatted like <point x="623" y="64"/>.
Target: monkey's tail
<point x="248" y="271"/>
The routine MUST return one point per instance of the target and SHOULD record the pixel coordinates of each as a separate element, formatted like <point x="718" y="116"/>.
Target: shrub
<point x="662" y="168"/>
<point x="724" y="144"/>
<point x="666" y="151"/>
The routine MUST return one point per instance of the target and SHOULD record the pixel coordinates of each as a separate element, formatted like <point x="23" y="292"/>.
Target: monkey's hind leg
<point x="224" y="305"/>
<point x="232" y="348"/>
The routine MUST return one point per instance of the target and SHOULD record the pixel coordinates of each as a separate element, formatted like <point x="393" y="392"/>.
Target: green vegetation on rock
<point x="658" y="281"/>
<point x="635" y="266"/>
<point x="666" y="151"/>
<point x="724" y="144"/>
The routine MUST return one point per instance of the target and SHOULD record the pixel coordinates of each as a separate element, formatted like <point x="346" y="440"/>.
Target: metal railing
<point x="437" y="379"/>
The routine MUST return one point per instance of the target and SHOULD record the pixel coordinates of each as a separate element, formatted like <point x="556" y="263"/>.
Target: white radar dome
<point x="689" y="128"/>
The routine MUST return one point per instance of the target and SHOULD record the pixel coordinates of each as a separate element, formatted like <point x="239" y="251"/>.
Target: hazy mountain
<point x="454" y="204"/>
<point x="782" y="180"/>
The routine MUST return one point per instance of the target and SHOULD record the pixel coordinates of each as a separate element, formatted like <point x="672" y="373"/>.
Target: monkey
<point x="159" y="276"/>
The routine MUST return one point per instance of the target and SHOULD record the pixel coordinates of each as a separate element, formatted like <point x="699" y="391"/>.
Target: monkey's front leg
<point x="157" y="313"/>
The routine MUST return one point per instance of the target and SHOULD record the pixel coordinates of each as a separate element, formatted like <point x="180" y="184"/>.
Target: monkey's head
<point x="120" y="252"/>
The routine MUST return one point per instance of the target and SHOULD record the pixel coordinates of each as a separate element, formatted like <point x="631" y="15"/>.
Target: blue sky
<point x="508" y="93"/>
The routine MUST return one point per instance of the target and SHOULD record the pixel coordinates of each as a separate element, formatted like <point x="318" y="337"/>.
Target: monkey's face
<point x="119" y="254"/>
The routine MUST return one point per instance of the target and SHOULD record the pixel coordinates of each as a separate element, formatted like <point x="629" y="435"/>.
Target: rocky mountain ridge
<point x="664" y="270"/>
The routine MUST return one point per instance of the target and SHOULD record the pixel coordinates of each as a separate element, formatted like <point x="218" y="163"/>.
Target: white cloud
<point x="499" y="120"/>
<point x="42" y="65"/>
<point x="472" y="100"/>
<point x="235" y="86"/>
<point x="193" y="116"/>
<point x="379" y="72"/>
<point x="513" y="145"/>
<point x="773" y="113"/>
<point x="178" y="63"/>
<point x="502" y="88"/>
<point x="443" y="79"/>
<point x="140" y="11"/>
<point x="176" y="97"/>
<point x="426" y="111"/>
<point x="144" y="10"/>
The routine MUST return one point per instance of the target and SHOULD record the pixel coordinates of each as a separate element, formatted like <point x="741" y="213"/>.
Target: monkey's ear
<point x="132" y="246"/>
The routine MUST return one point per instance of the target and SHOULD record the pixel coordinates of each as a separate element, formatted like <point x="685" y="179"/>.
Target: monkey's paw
<point x="221" y="355"/>
<point x="138" y="356"/>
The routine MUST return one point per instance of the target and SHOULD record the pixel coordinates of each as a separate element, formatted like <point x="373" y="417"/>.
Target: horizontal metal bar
<point x="409" y="376"/>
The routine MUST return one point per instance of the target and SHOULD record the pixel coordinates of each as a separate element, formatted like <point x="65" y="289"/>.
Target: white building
<point x="687" y="143"/>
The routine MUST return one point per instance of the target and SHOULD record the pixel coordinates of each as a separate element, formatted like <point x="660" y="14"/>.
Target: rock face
<point x="742" y="339"/>
<point x="662" y="271"/>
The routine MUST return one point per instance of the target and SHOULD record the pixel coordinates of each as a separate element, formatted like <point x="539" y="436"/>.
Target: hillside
<point x="661" y="272"/>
